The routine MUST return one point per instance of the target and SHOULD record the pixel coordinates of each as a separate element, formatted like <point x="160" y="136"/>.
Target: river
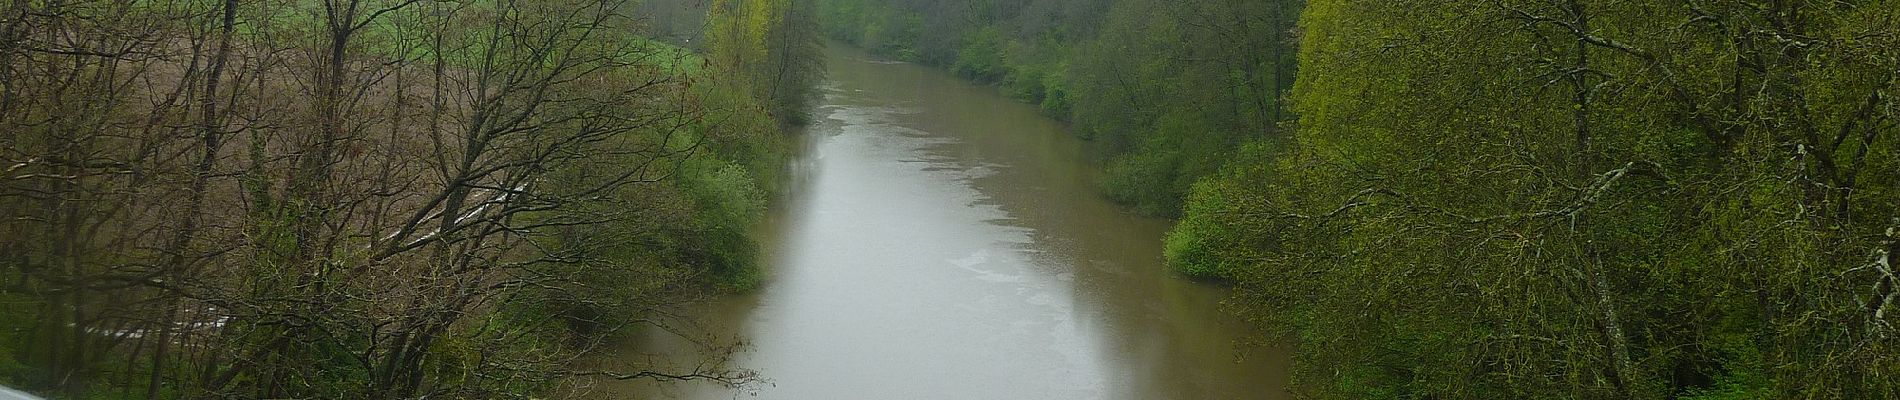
<point x="941" y="241"/>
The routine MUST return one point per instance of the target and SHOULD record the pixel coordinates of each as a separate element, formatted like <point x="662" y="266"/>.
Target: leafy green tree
<point x="770" y="46"/>
<point x="1568" y="198"/>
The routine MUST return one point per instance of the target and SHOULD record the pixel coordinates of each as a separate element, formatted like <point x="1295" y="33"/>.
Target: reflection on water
<point x="945" y="242"/>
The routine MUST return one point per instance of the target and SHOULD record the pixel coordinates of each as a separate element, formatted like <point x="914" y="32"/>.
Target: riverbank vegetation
<point x="1168" y="90"/>
<point x="1503" y="199"/>
<point x="374" y="198"/>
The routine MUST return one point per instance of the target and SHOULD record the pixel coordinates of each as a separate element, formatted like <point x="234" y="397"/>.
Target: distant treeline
<point x="367" y="199"/>
<point x="1492" y="199"/>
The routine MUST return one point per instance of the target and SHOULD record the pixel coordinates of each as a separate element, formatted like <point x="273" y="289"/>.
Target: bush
<point x="981" y="57"/>
<point x="731" y="204"/>
<point x="1055" y="93"/>
<point x="1224" y="225"/>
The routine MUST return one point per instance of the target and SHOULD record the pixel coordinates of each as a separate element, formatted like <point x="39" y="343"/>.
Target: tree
<point x="354" y="198"/>
<point x="1539" y="199"/>
<point x="773" y="45"/>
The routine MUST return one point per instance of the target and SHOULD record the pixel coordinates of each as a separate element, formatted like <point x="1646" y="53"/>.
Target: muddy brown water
<point x="941" y="241"/>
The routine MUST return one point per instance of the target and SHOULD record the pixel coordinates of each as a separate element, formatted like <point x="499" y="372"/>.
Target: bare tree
<point x="351" y="198"/>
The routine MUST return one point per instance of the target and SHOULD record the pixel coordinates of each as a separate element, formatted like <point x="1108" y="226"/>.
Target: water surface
<point x="944" y="242"/>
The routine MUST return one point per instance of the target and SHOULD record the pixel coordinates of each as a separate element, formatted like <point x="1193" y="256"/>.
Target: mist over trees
<point x="1491" y="199"/>
<point x="370" y="198"/>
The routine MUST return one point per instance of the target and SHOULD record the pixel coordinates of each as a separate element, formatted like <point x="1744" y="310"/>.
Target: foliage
<point x="1167" y="90"/>
<point x="372" y="198"/>
<point x="981" y="57"/>
<point x="770" y="47"/>
<point x="1571" y="199"/>
<point x="1505" y="199"/>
